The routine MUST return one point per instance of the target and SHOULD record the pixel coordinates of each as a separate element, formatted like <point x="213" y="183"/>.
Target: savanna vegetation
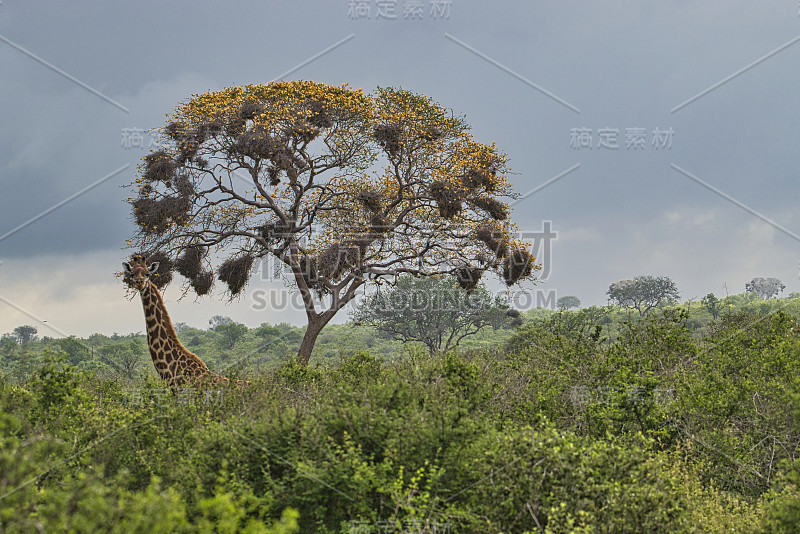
<point x="599" y="419"/>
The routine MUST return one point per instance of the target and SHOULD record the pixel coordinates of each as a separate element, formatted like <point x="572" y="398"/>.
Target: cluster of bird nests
<point x="371" y="200"/>
<point x="388" y="137"/>
<point x="178" y="131"/>
<point x="237" y="121"/>
<point x="516" y="266"/>
<point x="235" y="272"/>
<point x="308" y="266"/>
<point x="468" y="277"/>
<point x="159" y="167"/>
<point x="260" y="144"/>
<point x="183" y="185"/>
<point x="154" y="216"/>
<point x="447" y="196"/>
<point x="496" y="209"/>
<point x="320" y="116"/>
<point x="272" y="232"/>
<point x="257" y="143"/>
<point x="338" y="257"/>
<point x="494" y="239"/>
<point x="190" y="266"/>
<point x="189" y="140"/>
<point x="430" y="134"/>
<point x="379" y="224"/>
<point x="480" y="177"/>
<point x="250" y="110"/>
<point x="302" y="130"/>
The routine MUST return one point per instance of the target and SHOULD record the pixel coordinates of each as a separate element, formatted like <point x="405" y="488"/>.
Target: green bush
<point x="656" y="430"/>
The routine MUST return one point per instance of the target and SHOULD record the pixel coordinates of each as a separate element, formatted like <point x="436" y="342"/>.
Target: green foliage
<point x="230" y="333"/>
<point x="712" y="304"/>
<point x="578" y="421"/>
<point x="567" y="302"/>
<point x="434" y="311"/>
<point x="765" y="287"/>
<point x="643" y="293"/>
<point x="25" y="334"/>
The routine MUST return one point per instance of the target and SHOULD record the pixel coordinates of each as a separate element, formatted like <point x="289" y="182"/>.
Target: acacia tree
<point x="643" y="293"/>
<point x="765" y="287"/>
<point x="567" y="302"/>
<point x="217" y="321"/>
<point x="435" y="311"/>
<point x="342" y="188"/>
<point x="25" y="334"/>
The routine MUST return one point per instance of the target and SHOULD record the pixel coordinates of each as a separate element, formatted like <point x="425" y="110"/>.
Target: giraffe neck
<point x="173" y="362"/>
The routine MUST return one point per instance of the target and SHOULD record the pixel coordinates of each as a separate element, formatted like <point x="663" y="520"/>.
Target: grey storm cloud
<point x="596" y="106"/>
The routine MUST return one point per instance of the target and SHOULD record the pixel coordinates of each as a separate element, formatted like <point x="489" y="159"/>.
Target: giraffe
<point x="176" y="364"/>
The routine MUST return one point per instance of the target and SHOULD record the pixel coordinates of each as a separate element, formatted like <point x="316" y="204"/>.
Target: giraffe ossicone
<point x="176" y="364"/>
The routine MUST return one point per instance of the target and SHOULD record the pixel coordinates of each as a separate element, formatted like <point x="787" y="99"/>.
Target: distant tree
<point x="77" y="351"/>
<point x="341" y="188"/>
<point x="567" y="302"/>
<point x="124" y="356"/>
<point x="643" y="293"/>
<point x="712" y="304"/>
<point x="765" y="287"/>
<point x="180" y="327"/>
<point x="290" y="334"/>
<point x="217" y="320"/>
<point x="230" y="333"/>
<point x="435" y="311"/>
<point x="266" y="331"/>
<point x="25" y="333"/>
<point x="270" y="336"/>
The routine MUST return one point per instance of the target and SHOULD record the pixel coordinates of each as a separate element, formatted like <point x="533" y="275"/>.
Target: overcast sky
<point x="653" y="137"/>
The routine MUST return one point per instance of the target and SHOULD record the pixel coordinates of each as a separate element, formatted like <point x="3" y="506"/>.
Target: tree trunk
<point x="315" y="326"/>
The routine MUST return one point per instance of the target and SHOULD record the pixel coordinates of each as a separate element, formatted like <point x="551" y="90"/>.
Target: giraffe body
<point x="176" y="364"/>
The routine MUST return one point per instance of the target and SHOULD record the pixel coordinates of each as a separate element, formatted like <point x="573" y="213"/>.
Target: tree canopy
<point x="643" y="293"/>
<point x="25" y="334"/>
<point x="567" y="302"/>
<point x="765" y="287"/>
<point x="435" y="311"/>
<point x="342" y="188"/>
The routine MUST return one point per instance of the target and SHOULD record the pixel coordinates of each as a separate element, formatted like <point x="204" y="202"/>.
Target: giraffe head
<point x="138" y="272"/>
